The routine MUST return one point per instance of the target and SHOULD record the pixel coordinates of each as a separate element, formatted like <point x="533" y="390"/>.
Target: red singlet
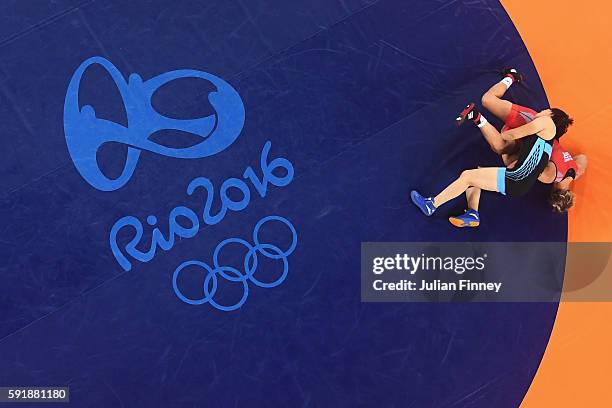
<point x="564" y="162"/>
<point x="562" y="159"/>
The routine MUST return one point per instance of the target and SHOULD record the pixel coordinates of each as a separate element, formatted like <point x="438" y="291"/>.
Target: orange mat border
<point x="569" y="43"/>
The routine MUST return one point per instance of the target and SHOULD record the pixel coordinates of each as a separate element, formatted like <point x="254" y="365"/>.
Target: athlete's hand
<point x="545" y="112"/>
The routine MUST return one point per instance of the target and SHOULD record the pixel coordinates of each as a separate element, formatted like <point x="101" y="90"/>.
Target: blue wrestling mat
<point x="186" y="186"/>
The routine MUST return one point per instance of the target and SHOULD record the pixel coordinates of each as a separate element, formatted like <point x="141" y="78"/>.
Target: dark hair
<point x="562" y="121"/>
<point x="561" y="200"/>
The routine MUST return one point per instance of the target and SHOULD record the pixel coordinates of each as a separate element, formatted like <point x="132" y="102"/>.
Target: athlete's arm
<point x="540" y="126"/>
<point x="549" y="174"/>
<point x="564" y="184"/>
<point x="581" y="162"/>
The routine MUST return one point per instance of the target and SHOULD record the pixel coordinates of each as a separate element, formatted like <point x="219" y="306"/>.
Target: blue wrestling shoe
<point x="470" y="218"/>
<point x="426" y="205"/>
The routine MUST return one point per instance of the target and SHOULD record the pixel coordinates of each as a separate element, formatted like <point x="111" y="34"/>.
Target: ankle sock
<point x="507" y="81"/>
<point x="480" y="120"/>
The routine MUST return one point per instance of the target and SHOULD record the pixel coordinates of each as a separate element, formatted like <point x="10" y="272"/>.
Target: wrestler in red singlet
<point x="561" y="158"/>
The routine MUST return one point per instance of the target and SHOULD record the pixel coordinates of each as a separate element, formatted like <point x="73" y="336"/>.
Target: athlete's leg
<point x="491" y="135"/>
<point x="471" y="216"/>
<point x="473" y="197"/>
<point x="472" y="194"/>
<point x="492" y="100"/>
<point x="503" y="109"/>
<point x="484" y="178"/>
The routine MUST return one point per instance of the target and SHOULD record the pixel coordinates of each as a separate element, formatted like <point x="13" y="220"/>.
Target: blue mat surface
<point x="360" y="97"/>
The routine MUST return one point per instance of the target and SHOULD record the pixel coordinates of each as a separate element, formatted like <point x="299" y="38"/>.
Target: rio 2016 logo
<point x="85" y="134"/>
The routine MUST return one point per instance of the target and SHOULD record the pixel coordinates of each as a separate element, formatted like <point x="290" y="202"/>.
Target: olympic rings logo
<point x="85" y="133"/>
<point x="246" y="274"/>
